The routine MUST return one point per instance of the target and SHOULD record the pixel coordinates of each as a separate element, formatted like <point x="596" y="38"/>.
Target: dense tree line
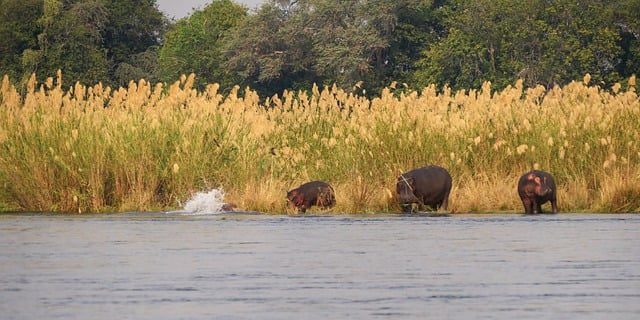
<point x="291" y="44"/>
<point x="91" y="41"/>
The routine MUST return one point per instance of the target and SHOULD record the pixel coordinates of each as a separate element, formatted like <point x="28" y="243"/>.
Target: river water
<point x="386" y="266"/>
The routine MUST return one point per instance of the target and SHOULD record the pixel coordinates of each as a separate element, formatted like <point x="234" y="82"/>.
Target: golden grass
<point x="150" y="147"/>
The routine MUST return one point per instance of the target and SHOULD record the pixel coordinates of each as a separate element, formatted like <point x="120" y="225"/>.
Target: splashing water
<point x="205" y="202"/>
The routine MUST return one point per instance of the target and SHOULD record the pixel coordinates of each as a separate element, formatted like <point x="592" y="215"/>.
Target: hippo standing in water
<point x="536" y="188"/>
<point x="314" y="193"/>
<point x="426" y="186"/>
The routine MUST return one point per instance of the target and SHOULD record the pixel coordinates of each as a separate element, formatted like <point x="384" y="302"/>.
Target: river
<point x="386" y="266"/>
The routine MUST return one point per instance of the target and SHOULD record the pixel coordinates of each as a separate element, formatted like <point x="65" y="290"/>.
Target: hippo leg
<point x="301" y="204"/>
<point x="527" y="203"/>
<point x="536" y="207"/>
<point x="554" y="206"/>
<point x="445" y="203"/>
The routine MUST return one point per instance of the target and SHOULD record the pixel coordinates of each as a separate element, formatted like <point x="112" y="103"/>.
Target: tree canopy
<point x="461" y="44"/>
<point x="195" y="44"/>
<point x="541" y="42"/>
<point x="352" y="43"/>
<point x="91" y="41"/>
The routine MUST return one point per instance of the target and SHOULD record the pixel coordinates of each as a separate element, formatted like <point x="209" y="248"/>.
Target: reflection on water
<point x="172" y="266"/>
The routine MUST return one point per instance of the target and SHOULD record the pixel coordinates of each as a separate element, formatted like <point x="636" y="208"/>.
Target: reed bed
<point x="151" y="147"/>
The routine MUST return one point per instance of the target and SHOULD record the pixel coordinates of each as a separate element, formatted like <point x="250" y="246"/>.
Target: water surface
<point x="213" y="266"/>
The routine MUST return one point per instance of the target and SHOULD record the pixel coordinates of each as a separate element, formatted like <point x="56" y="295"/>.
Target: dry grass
<point x="150" y="147"/>
<point x="620" y="193"/>
<point x="483" y="193"/>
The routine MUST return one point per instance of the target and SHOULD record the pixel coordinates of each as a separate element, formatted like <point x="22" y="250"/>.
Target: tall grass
<point x="150" y="147"/>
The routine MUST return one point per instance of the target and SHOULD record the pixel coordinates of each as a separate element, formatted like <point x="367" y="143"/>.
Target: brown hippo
<point x="535" y="188"/>
<point x="228" y="207"/>
<point x="426" y="186"/>
<point x="314" y="193"/>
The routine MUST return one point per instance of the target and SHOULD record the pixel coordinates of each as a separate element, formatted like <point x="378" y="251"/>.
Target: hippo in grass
<point x="314" y="193"/>
<point x="536" y="188"/>
<point x="426" y="186"/>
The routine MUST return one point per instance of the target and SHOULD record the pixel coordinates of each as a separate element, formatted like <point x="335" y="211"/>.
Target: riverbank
<point x="152" y="147"/>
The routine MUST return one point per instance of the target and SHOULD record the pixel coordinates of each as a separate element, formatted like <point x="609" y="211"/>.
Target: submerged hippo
<point x="228" y="207"/>
<point x="535" y="188"/>
<point x="426" y="186"/>
<point x="314" y="193"/>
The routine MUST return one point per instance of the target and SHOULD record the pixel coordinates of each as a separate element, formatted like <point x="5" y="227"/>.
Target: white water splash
<point x="210" y="202"/>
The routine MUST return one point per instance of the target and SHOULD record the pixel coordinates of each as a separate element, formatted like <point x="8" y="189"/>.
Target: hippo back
<point x="314" y="193"/>
<point x="430" y="185"/>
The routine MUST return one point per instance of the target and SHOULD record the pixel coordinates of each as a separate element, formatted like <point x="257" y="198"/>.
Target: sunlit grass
<point x="150" y="147"/>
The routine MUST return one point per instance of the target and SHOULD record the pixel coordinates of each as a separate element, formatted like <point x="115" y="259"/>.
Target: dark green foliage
<point x="131" y="39"/>
<point x="70" y="40"/>
<point x="91" y="41"/>
<point x="356" y="44"/>
<point x="286" y="44"/>
<point x="457" y="43"/>
<point x="18" y="32"/>
<point x="542" y="42"/>
<point x="271" y="50"/>
<point x="417" y="28"/>
<point x="194" y="44"/>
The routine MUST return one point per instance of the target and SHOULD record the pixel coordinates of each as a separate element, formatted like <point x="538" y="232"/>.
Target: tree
<point x="626" y="19"/>
<point x="108" y="41"/>
<point x="18" y="32"/>
<point x="271" y="50"/>
<point x="419" y="26"/>
<point x="132" y="38"/>
<point x="195" y="44"/>
<point x="542" y="42"/>
<point x="289" y="43"/>
<point x="69" y="40"/>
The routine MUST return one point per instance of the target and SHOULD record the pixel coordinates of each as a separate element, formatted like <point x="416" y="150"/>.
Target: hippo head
<point x="404" y="187"/>
<point x="537" y="185"/>
<point x="543" y="188"/>
<point x="295" y="199"/>
<point x="228" y="207"/>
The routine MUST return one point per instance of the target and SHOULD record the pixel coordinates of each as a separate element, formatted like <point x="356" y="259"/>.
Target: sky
<point x="180" y="8"/>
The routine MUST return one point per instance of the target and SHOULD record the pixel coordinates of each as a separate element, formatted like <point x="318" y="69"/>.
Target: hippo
<point x="314" y="193"/>
<point x="228" y="207"/>
<point x="536" y="188"/>
<point x="426" y="186"/>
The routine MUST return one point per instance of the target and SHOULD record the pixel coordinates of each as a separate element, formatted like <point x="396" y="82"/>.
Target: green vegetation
<point x="195" y="45"/>
<point x="351" y="92"/>
<point x="92" y="41"/>
<point x="291" y="45"/>
<point x="92" y="149"/>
